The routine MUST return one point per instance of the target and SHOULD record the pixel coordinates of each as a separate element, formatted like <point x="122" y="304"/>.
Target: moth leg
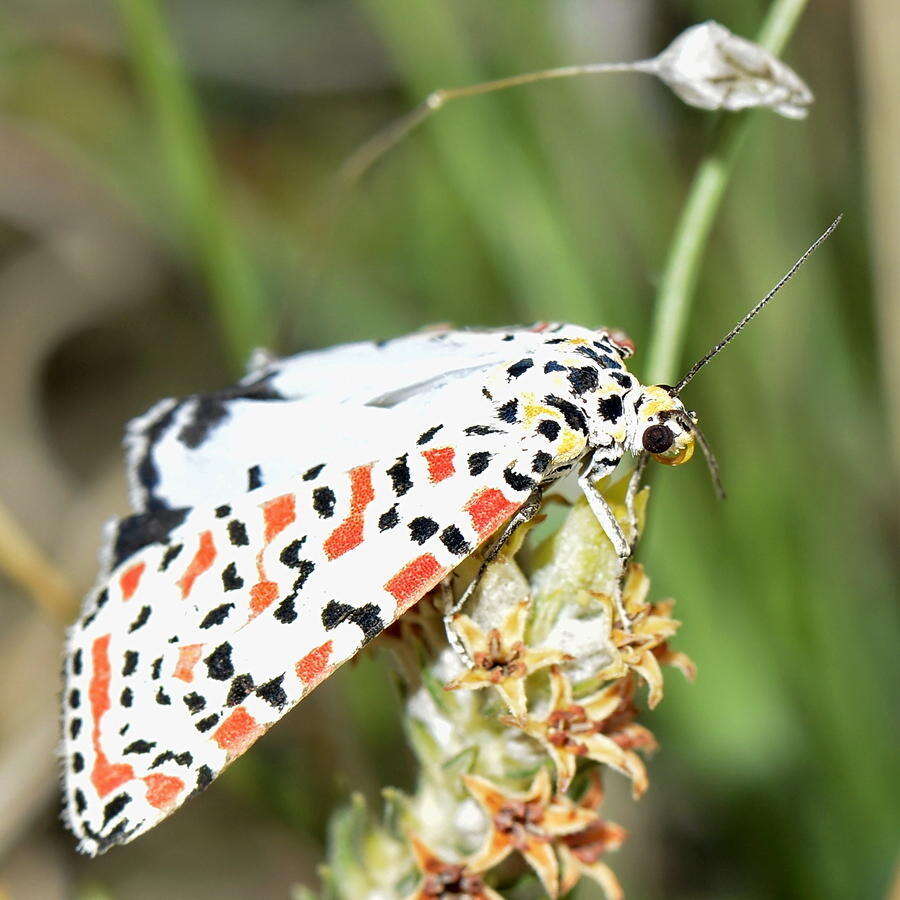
<point x="610" y="525"/>
<point x="634" y="483"/>
<point x="522" y="515"/>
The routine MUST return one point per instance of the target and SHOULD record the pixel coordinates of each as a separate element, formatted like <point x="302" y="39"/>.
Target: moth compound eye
<point x="658" y="438"/>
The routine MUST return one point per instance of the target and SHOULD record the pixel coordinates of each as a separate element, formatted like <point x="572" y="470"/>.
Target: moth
<point x="281" y="524"/>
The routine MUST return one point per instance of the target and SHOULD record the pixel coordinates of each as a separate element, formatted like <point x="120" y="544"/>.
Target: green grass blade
<point x="195" y="186"/>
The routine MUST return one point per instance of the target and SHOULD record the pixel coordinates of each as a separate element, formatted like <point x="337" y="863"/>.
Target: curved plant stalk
<point x="706" y="66"/>
<point x="372" y="150"/>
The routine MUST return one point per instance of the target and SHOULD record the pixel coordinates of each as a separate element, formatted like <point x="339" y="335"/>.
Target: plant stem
<point x="28" y="565"/>
<point x="195" y="187"/>
<point x="679" y="280"/>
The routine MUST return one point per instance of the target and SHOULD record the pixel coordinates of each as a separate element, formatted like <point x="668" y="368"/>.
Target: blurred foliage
<point x="779" y="776"/>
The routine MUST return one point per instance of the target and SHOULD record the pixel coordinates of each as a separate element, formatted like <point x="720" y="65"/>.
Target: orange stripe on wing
<point x="488" y="508"/>
<point x="202" y="561"/>
<point x="313" y="664"/>
<point x="278" y="514"/>
<point x="237" y="732"/>
<point x="163" y="790"/>
<point x="414" y="580"/>
<point x="130" y="579"/>
<point x="105" y="776"/>
<point x="440" y="463"/>
<point x="188" y="655"/>
<point x="349" y="533"/>
<point x="262" y="594"/>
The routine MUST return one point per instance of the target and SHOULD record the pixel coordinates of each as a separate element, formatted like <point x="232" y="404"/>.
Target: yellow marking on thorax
<point x="618" y="432"/>
<point x="571" y="444"/>
<point x="532" y="411"/>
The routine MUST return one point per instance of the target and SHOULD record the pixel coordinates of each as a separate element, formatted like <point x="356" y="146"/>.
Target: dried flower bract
<point x="709" y="67"/>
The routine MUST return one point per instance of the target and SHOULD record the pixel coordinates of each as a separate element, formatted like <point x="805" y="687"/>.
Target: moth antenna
<point x="697" y="366"/>
<point x="711" y="462"/>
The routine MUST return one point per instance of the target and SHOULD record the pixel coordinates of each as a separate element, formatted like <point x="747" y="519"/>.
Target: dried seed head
<point x="709" y="67"/>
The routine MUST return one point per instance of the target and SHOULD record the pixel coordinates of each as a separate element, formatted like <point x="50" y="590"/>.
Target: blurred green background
<point x="166" y="191"/>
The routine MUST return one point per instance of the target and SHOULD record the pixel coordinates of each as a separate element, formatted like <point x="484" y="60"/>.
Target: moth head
<point x="664" y="428"/>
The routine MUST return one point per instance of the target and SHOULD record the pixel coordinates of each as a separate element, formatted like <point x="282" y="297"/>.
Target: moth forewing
<point x="203" y="637"/>
<point x="289" y="414"/>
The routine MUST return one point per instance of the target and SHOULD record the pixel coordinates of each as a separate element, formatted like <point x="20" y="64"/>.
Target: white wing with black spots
<point x="193" y="648"/>
<point x="286" y="417"/>
<point x="198" y="641"/>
